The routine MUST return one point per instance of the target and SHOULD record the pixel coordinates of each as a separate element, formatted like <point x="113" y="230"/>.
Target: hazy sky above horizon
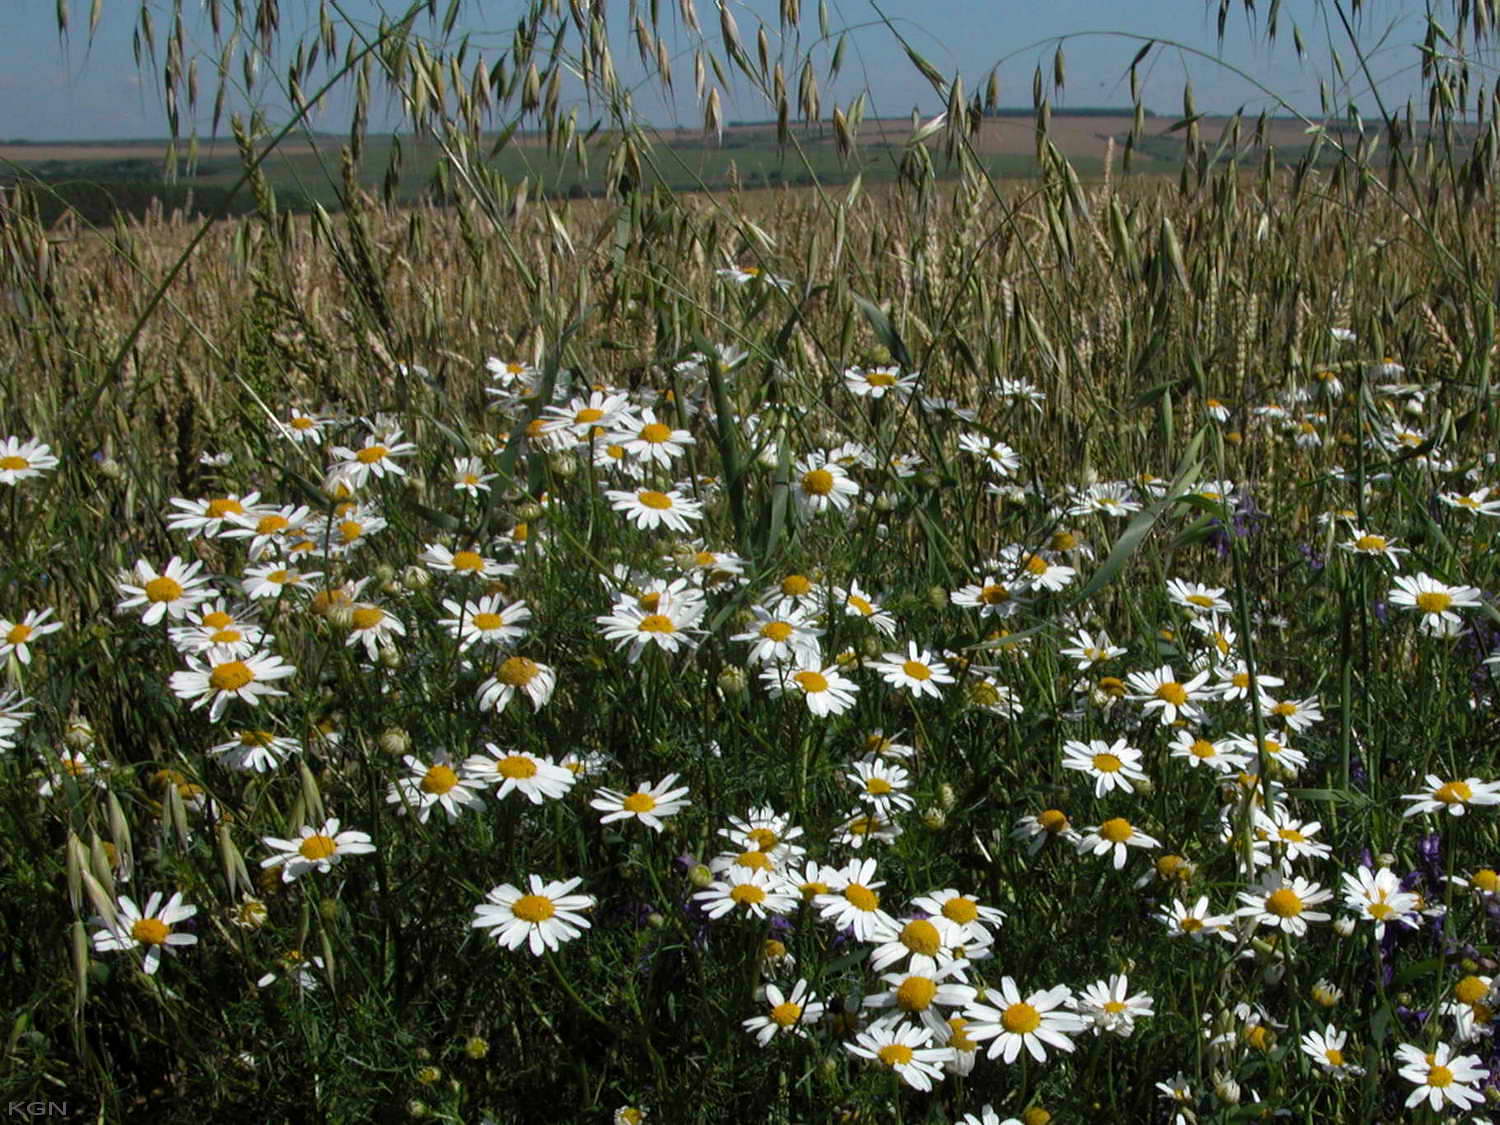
<point x="53" y="89"/>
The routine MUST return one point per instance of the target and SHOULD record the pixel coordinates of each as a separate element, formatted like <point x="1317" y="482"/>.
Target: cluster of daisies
<point x="1194" y="712"/>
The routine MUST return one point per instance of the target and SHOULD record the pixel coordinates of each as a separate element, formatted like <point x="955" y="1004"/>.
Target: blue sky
<point x="53" y="89"/>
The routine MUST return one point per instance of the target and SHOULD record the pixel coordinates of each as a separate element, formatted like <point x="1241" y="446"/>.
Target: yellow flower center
<point x="533" y="908"/>
<point x="231" y="676"/>
<point x="817" y="482"/>
<point x="1439" y="1077"/>
<point x="1370" y="543"/>
<point x="958" y="1035"/>
<point x="517" y="671"/>
<point x="225" y="506"/>
<point x="301" y="422"/>
<point x="1202" y="748"/>
<point x="1020" y="1019"/>
<point x="1063" y="541"/>
<point x="763" y="838"/>
<point x="878" y="787"/>
<point x="786" y="1014"/>
<point x="14" y="464"/>
<point x="226" y="636"/>
<point x="777" y="631"/>
<point x="705" y="558"/>
<point x="1190" y="925"/>
<point x="795" y="586"/>
<point x="1108" y="763"/>
<point x="1035" y="564"/>
<point x="217" y="619"/>
<point x="994" y="595"/>
<point x="649" y="601"/>
<point x="1114" y="1007"/>
<point x="1334" y="1056"/>
<point x="150" y="931"/>
<point x="880" y="378"/>
<point x="1380" y="911"/>
<point x="1203" y="601"/>
<point x="1258" y="1037"/>
<point x="467" y="560"/>
<point x="487" y="621"/>
<point x="1116" y="830"/>
<point x="1173" y="692"/>
<point x="282" y="577"/>
<point x="439" y="779"/>
<point x="1284" y="903"/>
<point x="656" y="433"/>
<point x="657" y="623"/>
<point x="256" y="738"/>
<point x="367" y="617"/>
<point x="18" y="634"/>
<point x="350" y="530"/>
<point x="317" y="847"/>
<point x="516" y="767"/>
<point x="1433" y="601"/>
<point x="861" y="897"/>
<point x="916" y="670"/>
<point x="588" y="414"/>
<point x="747" y="894"/>
<point x="1291" y="835"/>
<point x="1053" y="821"/>
<point x="660" y="501"/>
<point x="1453" y="793"/>
<point x="915" y="994"/>
<point x="163" y="589"/>
<point x="754" y="860"/>
<point x="370" y="454"/>
<point x="1112" y="685"/>
<point x="1487" y="880"/>
<point x="812" y="683"/>
<point x="859" y="603"/>
<point x="921" y="936"/>
<point x="1470" y="990"/>
<point x="811" y="891"/>
<point x="961" y="910"/>
<point x="895" y="1054"/>
<point x="639" y="803"/>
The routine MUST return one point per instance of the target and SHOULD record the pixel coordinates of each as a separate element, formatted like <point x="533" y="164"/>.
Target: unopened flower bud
<point x="394" y="741"/>
<point x="389" y="656"/>
<point x="111" y="469"/>
<point x="529" y="512"/>
<point x="733" y="681"/>
<point x="79" y="734"/>
<point x="656" y="920"/>
<point x="416" y="578"/>
<point x="340" y="615"/>
<point x="946" y="797"/>
<point x="1227" y="1089"/>
<point x="1343" y="925"/>
<point x="934" y="818"/>
<point x="476" y="1047"/>
<point x="700" y="876"/>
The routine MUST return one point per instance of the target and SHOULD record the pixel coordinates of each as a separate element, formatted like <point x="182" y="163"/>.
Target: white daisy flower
<point x="534" y="777"/>
<point x="1221" y="755"/>
<point x="1194" y="921"/>
<point x="1109" y="1007"/>
<point x="1161" y="691"/>
<point x="882" y="785"/>
<point x="513" y="674"/>
<point x="1326" y="1049"/>
<point x="1455" y="796"/>
<point x="649" y="509"/>
<point x="1115" y="835"/>
<point x="272" y="580"/>
<point x="977" y="922"/>
<point x="542" y="918"/>
<point x="256" y="751"/>
<point x="918" y="672"/>
<point x="1111" y="765"/>
<point x="210" y="517"/>
<point x="1035" y="1023"/>
<point x="649" y="439"/>
<point x="669" y="625"/>
<point x="22" y="460"/>
<point x="375" y="458"/>
<point x="1435" y="601"/>
<point x="487" y="620"/>
<point x="1377" y="897"/>
<point x="649" y="804"/>
<point x="1282" y="903"/>
<point x="315" y="849"/>
<point x="151" y="928"/>
<point x="853" y="900"/>
<point x="821" y="485"/>
<point x="16" y="637"/>
<point x="1441" y="1076"/>
<point x="755" y="892"/>
<point x="784" y="638"/>
<point x="171" y="592"/>
<point x="788" y="1014"/>
<point x="466" y="563"/>
<point x="904" y="1049"/>
<point x="221" y="676"/>
<point x="434" y="785"/>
